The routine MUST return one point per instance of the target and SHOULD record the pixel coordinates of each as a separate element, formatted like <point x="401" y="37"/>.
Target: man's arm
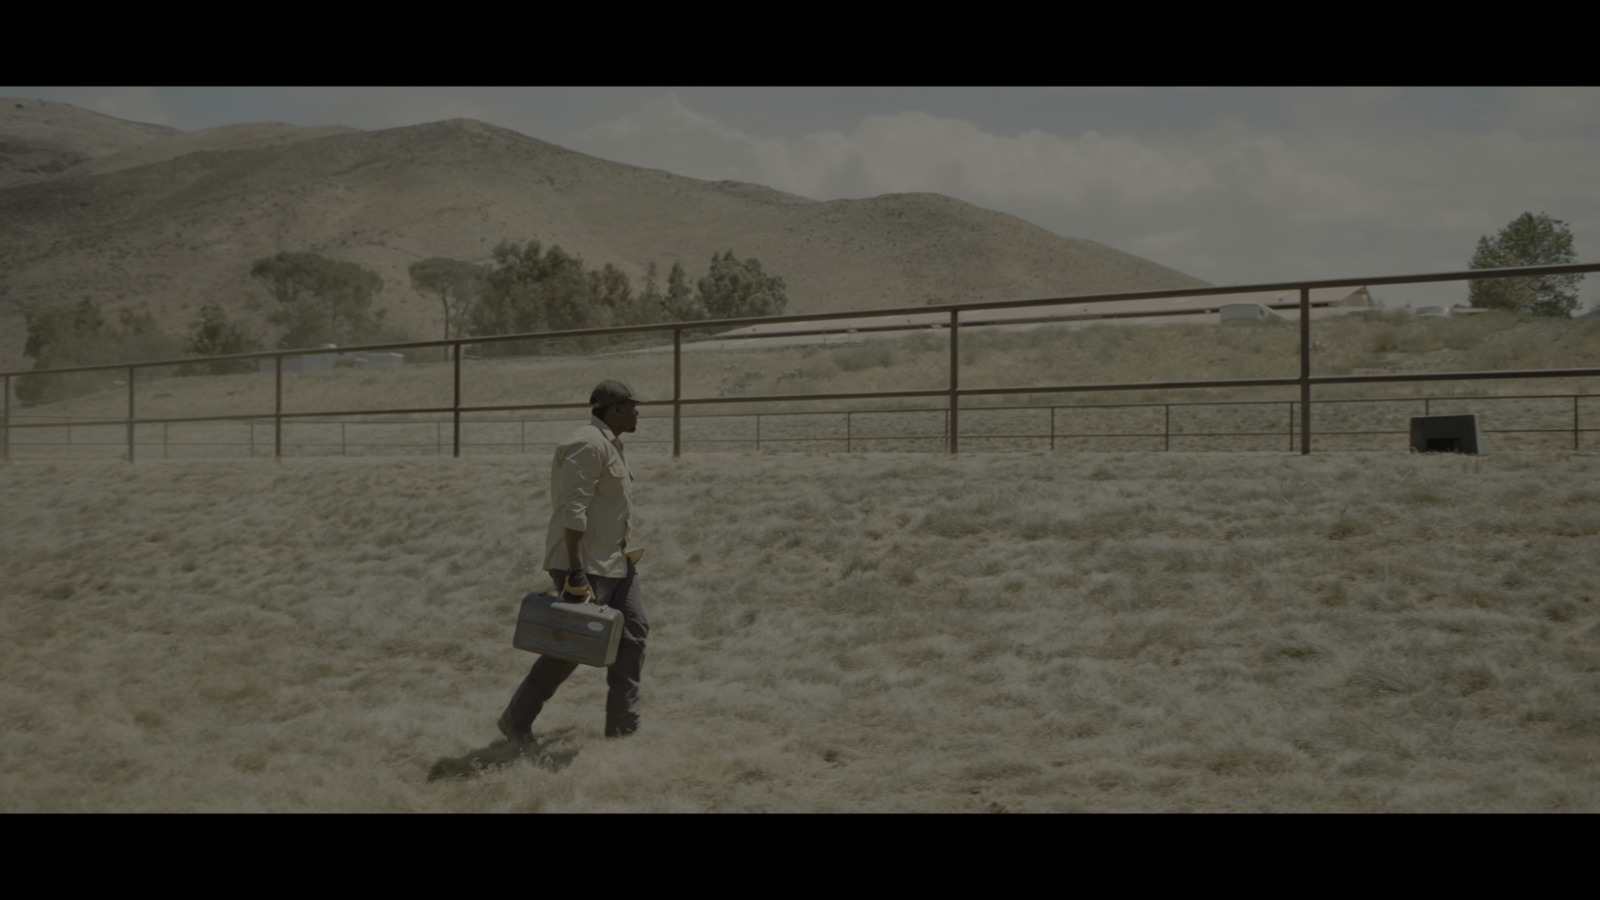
<point x="576" y="583"/>
<point x="574" y="560"/>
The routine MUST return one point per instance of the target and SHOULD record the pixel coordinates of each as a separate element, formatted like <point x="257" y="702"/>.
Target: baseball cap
<point x="611" y="391"/>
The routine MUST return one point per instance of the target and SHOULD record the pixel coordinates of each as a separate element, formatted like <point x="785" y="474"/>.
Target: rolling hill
<point x="140" y="216"/>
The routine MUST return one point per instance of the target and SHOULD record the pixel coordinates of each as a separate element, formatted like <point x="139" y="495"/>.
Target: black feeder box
<point x="1446" y="434"/>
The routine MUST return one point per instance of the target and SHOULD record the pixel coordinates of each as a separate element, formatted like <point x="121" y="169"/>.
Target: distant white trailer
<point x="368" y="360"/>
<point x="322" y="362"/>
<point x="1434" y="312"/>
<point x="1249" y="312"/>
<point x="309" y="362"/>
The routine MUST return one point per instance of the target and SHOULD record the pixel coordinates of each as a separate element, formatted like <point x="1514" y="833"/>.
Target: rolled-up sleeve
<point x="580" y="472"/>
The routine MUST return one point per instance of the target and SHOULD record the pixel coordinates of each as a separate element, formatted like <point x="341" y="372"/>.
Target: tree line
<point x="526" y="288"/>
<point x="316" y="301"/>
<point x="531" y="289"/>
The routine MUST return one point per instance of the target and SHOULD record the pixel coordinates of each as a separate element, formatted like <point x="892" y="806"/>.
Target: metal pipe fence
<point x="951" y="395"/>
<point x="847" y="430"/>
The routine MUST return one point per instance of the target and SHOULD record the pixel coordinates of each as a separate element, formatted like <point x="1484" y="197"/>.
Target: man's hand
<point x="577" y="589"/>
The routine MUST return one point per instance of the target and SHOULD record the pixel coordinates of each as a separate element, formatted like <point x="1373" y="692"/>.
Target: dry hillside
<point x="168" y="221"/>
<point x="39" y="139"/>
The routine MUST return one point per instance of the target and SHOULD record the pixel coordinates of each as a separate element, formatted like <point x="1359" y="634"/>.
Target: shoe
<point x="620" y="732"/>
<point x="524" y="737"/>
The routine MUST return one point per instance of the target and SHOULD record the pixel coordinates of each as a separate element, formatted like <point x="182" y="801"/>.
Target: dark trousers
<point x="622" y="678"/>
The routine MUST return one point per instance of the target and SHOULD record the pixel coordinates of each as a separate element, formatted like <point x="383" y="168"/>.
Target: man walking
<point x="590" y="555"/>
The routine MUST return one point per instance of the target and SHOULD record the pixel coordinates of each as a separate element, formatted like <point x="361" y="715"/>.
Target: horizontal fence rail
<point x="14" y="427"/>
<point x="846" y="430"/>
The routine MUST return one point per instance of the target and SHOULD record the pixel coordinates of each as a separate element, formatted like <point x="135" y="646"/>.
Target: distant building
<point x="1448" y="311"/>
<point x="322" y="362"/>
<point x="1249" y="312"/>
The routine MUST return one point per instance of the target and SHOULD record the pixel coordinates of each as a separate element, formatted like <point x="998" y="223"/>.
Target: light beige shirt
<point x="589" y="489"/>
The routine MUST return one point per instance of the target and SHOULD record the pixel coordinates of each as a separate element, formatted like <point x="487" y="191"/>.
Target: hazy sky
<point x="1233" y="185"/>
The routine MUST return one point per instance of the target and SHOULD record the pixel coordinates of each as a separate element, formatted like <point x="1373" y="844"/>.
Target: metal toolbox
<point x="576" y="632"/>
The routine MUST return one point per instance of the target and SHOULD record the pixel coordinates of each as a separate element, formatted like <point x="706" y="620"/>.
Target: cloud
<point x="1117" y="175"/>
<point x="1544" y="113"/>
<point x="674" y="137"/>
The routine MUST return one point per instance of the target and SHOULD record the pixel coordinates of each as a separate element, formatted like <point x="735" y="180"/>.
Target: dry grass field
<point x="1025" y="632"/>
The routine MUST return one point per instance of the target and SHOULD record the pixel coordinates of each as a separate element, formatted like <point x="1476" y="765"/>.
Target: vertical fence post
<point x="164" y="439"/>
<point x="277" y="409"/>
<point x="342" y="446"/>
<point x="677" y="392"/>
<point x="1291" y="426"/>
<point x="456" y="412"/>
<point x="1305" y="371"/>
<point x="847" y="430"/>
<point x="1052" y="428"/>
<point x="758" y="432"/>
<point x="130" y="414"/>
<point x="1574" y="421"/>
<point x="955" y="383"/>
<point x="5" y="423"/>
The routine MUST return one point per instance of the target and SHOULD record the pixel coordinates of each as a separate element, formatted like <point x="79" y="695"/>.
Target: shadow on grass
<point x="553" y="752"/>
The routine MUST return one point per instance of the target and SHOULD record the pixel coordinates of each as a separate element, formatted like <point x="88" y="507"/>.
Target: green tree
<point x="320" y="300"/>
<point x="1530" y="240"/>
<point x="680" y="303"/>
<point x="70" y="336"/>
<point x="567" y="292"/>
<point x="456" y="284"/>
<point x="612" y="295"/>
<point x="646" y="307"/>
<point x="214" y="334"/>
<point x="65" y="336"/>
<point x="735" y="290"/>
<point x="506" y="304"/>
<point x="531" y="290"/>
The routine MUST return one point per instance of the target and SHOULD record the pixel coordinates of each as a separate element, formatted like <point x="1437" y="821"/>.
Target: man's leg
<point x="622" y="698"/>
<point x="540" y="685"/>
<point x="622" y="678"/>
